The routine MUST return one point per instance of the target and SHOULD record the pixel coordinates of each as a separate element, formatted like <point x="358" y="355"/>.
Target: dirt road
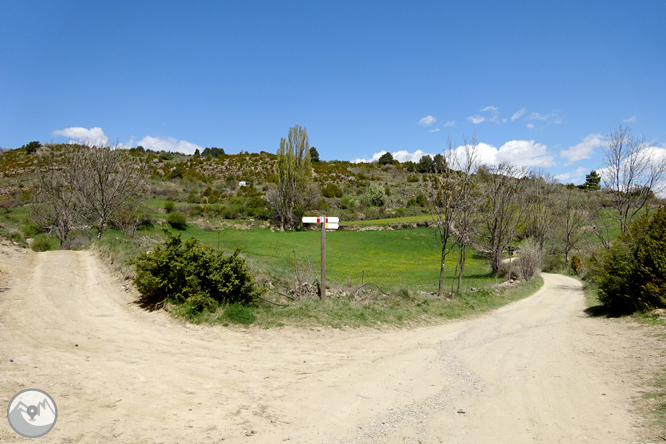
<point x="538" y="370"/>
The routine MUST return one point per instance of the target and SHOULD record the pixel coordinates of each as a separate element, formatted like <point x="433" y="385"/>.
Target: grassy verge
<point x="389" y="221"/>
<point x="400" y="307"/>
<point x="653" y="405"/>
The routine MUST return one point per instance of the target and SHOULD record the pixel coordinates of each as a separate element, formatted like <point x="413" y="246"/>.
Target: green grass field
<point x="391" y="259"/>
<point x="388" y="221"/>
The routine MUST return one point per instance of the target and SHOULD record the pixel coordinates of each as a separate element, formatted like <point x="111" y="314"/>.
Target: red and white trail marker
<point x="318" y="220"/>
<point x="327" y="223"/>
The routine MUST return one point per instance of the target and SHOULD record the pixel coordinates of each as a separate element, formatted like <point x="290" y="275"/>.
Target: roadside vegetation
<point x="439" y="230"/>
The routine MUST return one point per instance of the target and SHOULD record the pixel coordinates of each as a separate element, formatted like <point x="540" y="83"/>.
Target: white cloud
<point x="518" y="114"/>
<point x="436" y="130"/>
<point x="93" y="136"/>
<point x="494" y="113"/>
<point x="168" y="144"/>
<point x="450" y="123"/>
<point x="530" y="125"/>
<point x="584" y="149"/>
<point x="400" y="156"/>
<point x="427" y="121"/>
<point x="525" y="153"/>
<point x="629" y="120"/>
<point x="572" y="176"/>
<point x="552" y="117"/>
<point x="522" y="153"/>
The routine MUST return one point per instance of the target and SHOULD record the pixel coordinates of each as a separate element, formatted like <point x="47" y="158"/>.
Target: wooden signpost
<point x="327" y="223"/>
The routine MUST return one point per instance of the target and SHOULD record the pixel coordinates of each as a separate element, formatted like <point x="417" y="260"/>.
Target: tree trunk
<point x="441" y="271"/>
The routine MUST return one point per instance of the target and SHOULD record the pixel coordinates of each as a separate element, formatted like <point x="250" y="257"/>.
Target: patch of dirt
<point x="536" y="370"/>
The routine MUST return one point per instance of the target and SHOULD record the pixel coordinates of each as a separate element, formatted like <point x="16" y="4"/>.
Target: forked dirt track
<point x="538" y="370"/>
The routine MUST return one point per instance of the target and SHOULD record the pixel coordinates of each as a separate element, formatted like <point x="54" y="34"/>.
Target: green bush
<point x="331" y="190"/>
<point x="347" y="203"/>
<point x="196" y="211"/>
<point x="169" y="205"/>
<point x="41" y="243"/>
<point x="632" y="275"/>
<point x="177" y="220"/>
<point x="193" y="274"/>
<point x="374" y="195"/>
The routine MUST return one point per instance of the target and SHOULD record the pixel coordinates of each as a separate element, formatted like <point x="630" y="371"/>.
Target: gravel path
<point x="538" y="370"/>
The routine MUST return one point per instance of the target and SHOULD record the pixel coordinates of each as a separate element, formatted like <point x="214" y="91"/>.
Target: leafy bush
<point x="331" y="190"/>
<point x="169" y="205"/>
<point x="41" y="243"/>
<point x="193" y="274"/>
<point x="32" y="147"/>
<point x="374" y="195"/>
<point x="196" y="211"/>
<point x="177" y="220"/>
<point x="347" y="203"/>
<point x="129" y="220"/>
<point x="632" y="275"/>
<point x="385" y="158"/>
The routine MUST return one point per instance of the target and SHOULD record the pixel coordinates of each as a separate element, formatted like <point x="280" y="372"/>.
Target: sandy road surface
<point x="537" y="370"/>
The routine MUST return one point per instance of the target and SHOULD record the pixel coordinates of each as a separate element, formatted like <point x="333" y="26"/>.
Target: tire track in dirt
<point x="536" y="370"/>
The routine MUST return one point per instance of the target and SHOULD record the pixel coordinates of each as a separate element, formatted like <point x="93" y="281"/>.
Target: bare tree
<point x="55" y="206"/>
<point x="294" y="193"/>
<point x="106" y="183"/>
<point x="574" y="214"/>
<point x="466" y="218"/>
<point x="540" y="198"/>
<point x="81" y="186"/>
<point x="442" y="195"/>
<point x="631" y="174"/>
<point x="501" y="212"/>
<point x="453" y="197"/>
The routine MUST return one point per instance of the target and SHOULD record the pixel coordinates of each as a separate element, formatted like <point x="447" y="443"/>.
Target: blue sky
<point x="541" y="83"/>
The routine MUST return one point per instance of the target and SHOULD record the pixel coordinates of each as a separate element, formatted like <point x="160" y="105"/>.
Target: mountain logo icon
<point x="32" y="413"/>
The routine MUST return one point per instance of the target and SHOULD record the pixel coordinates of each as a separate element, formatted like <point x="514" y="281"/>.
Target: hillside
<point x="214" y="182"/>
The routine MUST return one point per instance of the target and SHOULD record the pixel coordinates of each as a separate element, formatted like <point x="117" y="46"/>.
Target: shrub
<point x="576" y="265"/>
<point x="347" y="203"/>
<point x="169" y="205"/>
<point x="130" y="220"/>
<point x="331" y="190"/>
<point x="632" y="274"/>
<point x="374" y="195"/>
<point x="530" y="259"/>
<point x="177" y="220"/>
<point x="41" y="243"/>
<point x="32" y="147"/>
<point x="385" y="158"/>
<point x="196" y="211"/>
<point x="508" y="270"/>
<point x="193" y="274"/>
<point x="421" y="200"/>
<point x="554" y="263"/>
